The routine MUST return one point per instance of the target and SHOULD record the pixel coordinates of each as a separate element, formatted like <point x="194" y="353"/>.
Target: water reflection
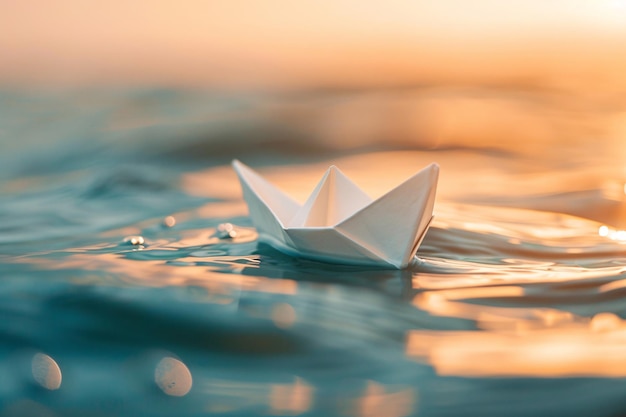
<point x="613" y="234"/>
<point x="291" y="399"/>
<point x="473" y="304"/>
<point x="467" y="244"/>
<point x="521" y="342"/>
<point x="379" y="400"/>
<point x="571" y="351"/>
<point x="605" y="322"/>
<point x="462" y="249"/>
<point x="173" y="377"/>
<point x="512" y="282"/>
<point x="46" y="371"/>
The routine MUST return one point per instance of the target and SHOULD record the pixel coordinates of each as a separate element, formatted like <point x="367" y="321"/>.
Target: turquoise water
<point x="119" y="295"/>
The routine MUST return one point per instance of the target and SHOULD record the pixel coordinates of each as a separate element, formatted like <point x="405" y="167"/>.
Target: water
<point x="120" y="296"/>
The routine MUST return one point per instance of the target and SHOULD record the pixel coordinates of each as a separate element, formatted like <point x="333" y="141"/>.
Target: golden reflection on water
<point x="222" y="279"/>
<point x="517" y="342"/>
<point x="576" y="351"/>
<point x="293" y="398"/>
<point x="613" y="234"/>
<point x="612" y="286"/>
<point x="448" y="303"/>
<point x="602" y="322"/>
<point x="380" y="400"/>
<point x="157" y="273"/>
<point x="461" y="276"/>
<point x="298" y="397"/>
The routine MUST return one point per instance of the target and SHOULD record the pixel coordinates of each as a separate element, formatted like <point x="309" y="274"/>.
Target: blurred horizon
<point x="541" y="85"/>
<point x="276" y="45"/>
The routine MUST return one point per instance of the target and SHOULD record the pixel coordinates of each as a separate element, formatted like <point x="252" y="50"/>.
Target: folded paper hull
<point x="339" y="223"/>
<point x="328" y="245"/>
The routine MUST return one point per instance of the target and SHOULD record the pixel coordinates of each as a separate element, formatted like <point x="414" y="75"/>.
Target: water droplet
<point x="134" y="240"/>
<point x="226" y="231"/>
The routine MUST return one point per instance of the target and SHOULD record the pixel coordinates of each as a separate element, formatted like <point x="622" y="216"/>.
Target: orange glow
<point x="291" y="399"/>
<point x="554" y="352"/>
<point x="487" y="316"/>
<point x="477" y="292"/>
<point x="249" y="44"/>
<point x="518" y="342"/>
<point x="603" y="322"/>
<point x="281" y="399"/>
<point x="617" y="235"/>
<point x="381" y="401"/>
<point x="613" y="285"/>
<point x="125" y="115"/>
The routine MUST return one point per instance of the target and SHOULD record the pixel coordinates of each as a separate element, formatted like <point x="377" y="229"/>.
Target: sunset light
<point x="318" y="209"/>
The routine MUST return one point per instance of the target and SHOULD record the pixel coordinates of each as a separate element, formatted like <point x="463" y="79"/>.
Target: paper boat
<point x="339" y="223"/>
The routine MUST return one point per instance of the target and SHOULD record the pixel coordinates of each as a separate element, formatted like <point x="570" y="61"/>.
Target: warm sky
<point x="274" y="43"/>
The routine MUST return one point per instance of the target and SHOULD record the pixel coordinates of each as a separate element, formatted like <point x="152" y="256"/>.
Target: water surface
<point x="120" y="295"/>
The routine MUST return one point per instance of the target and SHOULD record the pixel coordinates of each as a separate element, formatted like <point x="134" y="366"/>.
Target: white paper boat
<point x="339" y="223"/>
